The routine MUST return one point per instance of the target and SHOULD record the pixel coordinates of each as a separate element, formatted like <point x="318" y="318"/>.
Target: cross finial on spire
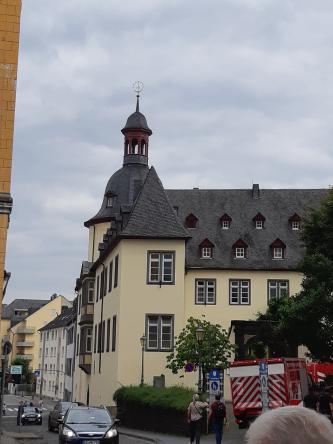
<point x="138" y="87"/>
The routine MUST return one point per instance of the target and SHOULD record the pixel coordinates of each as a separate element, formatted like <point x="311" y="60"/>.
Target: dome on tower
<point x="137" y="121"/>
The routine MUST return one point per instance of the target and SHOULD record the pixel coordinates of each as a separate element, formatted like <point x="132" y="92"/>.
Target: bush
<point x="174" y="398"/>
<point x="155" y="409"/>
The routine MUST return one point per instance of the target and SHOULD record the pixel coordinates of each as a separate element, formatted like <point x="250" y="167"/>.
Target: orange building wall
<point x="10" y="12"/>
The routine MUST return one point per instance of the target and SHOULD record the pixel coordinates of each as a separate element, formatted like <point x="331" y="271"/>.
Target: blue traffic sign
<point x="263" y="368"/>
<point x="215" y="385"/>
<point x="214" y="375"/>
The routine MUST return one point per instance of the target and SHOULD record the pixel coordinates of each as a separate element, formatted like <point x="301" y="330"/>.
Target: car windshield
<point x="66" y="405"/>
<point x="29" y="410"/>
<point x="89" y="416"/>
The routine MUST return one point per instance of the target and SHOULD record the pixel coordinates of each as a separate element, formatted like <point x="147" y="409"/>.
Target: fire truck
<point x="288" y="383"/>
<point x="320" y="371"/>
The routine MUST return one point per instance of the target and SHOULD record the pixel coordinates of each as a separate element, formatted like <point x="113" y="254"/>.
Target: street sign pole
<point x="263" y="376"/>
<point x="3" y="377"/>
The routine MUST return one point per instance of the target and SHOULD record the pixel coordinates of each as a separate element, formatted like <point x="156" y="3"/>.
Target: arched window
<point x="135" y="146"/>
<point x="143" y="147"/>
<point x="126" y="147"/>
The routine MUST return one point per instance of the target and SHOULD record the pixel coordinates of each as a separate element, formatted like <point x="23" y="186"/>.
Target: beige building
<point x="10" y="12"/>
<point x="157" y="257"/>
<point x="25" y="335"/>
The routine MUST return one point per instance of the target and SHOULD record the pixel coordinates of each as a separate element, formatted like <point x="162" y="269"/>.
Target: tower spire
<point x="137" y="110"/>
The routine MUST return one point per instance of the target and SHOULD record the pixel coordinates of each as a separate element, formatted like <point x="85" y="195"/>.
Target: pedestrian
<point x="40" y="405"/>
<point x="326" y="405"/>
<point x="19" y="413"/>
<point x="31" y="404"/>
<point x="25" y="404"/>
<point x="311" y="400"/>
<point x="195" y="412"/>
<point x="217" y="418"/>
<point x="4" y="407"/>
<point x="290" y="425"/>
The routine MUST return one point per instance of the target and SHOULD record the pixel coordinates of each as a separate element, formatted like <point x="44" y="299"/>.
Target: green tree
<point x="307" y="317"/>
<point x="214" y="352"/>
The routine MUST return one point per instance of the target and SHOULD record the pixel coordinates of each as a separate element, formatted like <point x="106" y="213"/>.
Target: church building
<point x="157" y="257"/>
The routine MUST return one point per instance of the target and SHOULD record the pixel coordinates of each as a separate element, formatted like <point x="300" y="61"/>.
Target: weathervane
<point x="138" y="87"/>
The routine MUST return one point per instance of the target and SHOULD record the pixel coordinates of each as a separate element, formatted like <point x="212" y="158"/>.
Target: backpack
<point x="219" y="411"/>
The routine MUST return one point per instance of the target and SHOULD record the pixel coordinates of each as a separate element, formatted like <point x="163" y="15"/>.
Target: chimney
<point x="255" y="191"/>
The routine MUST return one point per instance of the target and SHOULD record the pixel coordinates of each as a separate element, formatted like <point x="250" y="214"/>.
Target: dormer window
<point x="295" y="222"/>
<point x="206" y="249"/>
<point x="259" y="221"/>
<point x="278" y="249"/>
<point x="110" y="200"/>
<point x="191" y="221"/>
<point x="239" y="248"/>
<point x="225" y="221"/>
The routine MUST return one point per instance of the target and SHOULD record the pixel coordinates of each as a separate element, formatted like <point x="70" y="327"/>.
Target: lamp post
<point x="199" y="334"/>
<point x="6" y="277"/>
<point x="143" y="343"/>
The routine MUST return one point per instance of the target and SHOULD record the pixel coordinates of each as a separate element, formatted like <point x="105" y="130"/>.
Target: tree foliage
<point x="307" y="317"/>
<point x="214" y="352"/>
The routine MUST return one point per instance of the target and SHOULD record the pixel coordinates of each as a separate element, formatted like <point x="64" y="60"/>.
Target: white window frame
<point x="109" y="201"/>
<point x="278" y="253"/>
<point x="259" y="224"/>
<point x="204" y="286"/>
<point x="206" y="252"/>
<point x="89" y="336"/>
<point x="240" y="253"/>
<point x="163" y="274"/>
<point x="91" y="292"/>
<point x="278" y="286"/>
<point x="242" y="288"/>
<point x="160" y="323"/>
<point x="225" y="224"/>
<point x="295" y="225"/>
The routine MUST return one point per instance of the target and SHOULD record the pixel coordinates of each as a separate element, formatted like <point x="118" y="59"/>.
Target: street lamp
<point x="199" y="334"/>
<point x="143" y="343"/>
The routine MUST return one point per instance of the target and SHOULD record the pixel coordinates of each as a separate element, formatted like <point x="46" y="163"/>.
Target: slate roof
<point x="275" y="205"/>
<point x="152" y="215"/>
<point x="64" y="319"/>
<point x="32" y="305"/>
<point x="137" y="120"/>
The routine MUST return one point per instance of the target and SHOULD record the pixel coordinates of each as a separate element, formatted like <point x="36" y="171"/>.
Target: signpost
<point x="16" y="369"/>
<point x="263" y="376"/>
<point x="6" y="349"/>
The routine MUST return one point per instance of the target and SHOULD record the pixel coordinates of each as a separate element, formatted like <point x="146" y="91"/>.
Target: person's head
<point x="195" y="397"/>
<point x="290" y="425"/>
<point x="21" y="402"/>
<point x="218" y="397"/>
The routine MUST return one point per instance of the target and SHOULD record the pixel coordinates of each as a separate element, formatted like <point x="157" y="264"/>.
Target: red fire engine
<point x="287" y="385"/>
<point x="319" y="371"/>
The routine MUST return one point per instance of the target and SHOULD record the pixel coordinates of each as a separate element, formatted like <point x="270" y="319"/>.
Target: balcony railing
<point x="25" y="330"/>
<point x="25" y="357"/>
<point x="25" y="344"/>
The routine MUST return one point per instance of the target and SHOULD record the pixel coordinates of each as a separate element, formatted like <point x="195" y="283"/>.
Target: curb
<point x="141" y="437"/>
<point x="21" y="436"/>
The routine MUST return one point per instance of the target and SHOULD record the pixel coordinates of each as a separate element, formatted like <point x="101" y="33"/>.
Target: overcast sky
<point x="236" y="92"/>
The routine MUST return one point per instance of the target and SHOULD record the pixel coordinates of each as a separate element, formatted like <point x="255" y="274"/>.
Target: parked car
<point x="31" y="415"/>
<point x="56" y="416"/>
<point x="89" y="425"/>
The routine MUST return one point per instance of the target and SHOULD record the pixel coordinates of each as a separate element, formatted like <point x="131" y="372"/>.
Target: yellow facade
<point x="25" y="336"/>
<point x="10" y="12"/>
<point x="133" y="299"/>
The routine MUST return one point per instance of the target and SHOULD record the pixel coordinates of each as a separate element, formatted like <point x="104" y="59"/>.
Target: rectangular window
<point x="103" y="336"/>
<point x="205" y="291"/>
<point x="95" y="338"/>
<point x="116" y="265"/>
<point x="259" y="224"/>
<point x="89" y="340"/>
<point x="114" y="333"/>
<point x="97" y="288"/>
<point x="277" y="253"/>
<point x="105" y="281"/>
<point x="240" y="253"/>
<point x="108" y="332"/>
<point x="99" y="338"/>
<point x="206" y="252"/>
<point x="110" y="276"/>
<point x="159" y="332"/>
<point x="295" y="225"/>
<point x="225" y="225"/>
<point x="78" y="307"/>
<point x="77" y="344"/>
<point x="161" y="267"/>
<point x="101" y="289"/>
<point x="277" y="289"/>
<point x="91" y="292"/>
<point x="239" y="292"/>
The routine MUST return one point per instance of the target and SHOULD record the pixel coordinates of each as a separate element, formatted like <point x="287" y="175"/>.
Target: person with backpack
<point x="217" y="418"/>
<point x="194" y="418"/>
